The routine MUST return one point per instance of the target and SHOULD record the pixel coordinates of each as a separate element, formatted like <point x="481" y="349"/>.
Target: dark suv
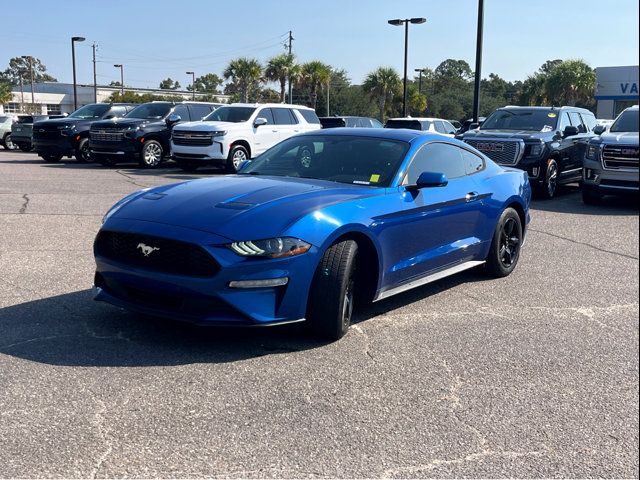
<point x="53" y="139"/>
<point x="144" y="134"/>
<point x="22" y="130"/>
<point x="548" y="142"/>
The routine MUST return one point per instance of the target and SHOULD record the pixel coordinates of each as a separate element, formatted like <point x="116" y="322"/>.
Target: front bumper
<point x="209" y="300"/>
<point x="62" y="145"/>
<point x="595" y="177"/>
<point x="126" y="148"/>
<point x="215" y="154"/>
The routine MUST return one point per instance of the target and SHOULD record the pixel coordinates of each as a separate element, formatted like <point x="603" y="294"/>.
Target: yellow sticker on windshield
<point x="552" y="115"/>
<point x="374" y="178"/>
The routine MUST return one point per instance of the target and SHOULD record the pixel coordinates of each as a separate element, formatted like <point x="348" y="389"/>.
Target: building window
<point x="54" y="109"/>
<point x="12" y="107"/>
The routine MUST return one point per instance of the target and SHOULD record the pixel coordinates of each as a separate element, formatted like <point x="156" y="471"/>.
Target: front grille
<point x="504" y="152"/>
<point x="107" y="134"/>
<point x="155" y="253"/>
<point x="620" y="157"/>
<point x="192" y="138"/>
<point x="45" y="133"/>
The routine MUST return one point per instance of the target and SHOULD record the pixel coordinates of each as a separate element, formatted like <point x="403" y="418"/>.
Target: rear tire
<point x="505" y="246"/>
<point x="331" y="297"/>
<point x="83" y="154"/>
<point x="7" y="143"/>
<point x="237" y="155"/>
<point x="52" y="158"/>
<point x="151" y="154"/>
<point x="591" y="196"/>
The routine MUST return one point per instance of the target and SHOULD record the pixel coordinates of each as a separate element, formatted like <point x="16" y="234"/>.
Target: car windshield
<point x="150" y="111"/>
<point x="626" y="122"/>
<point x="3" y="119"/>
<point x="345" y="159"/>
<point x="531" y="120"/>
<point x="90" y="112"/>
<point x="230" y="114"/>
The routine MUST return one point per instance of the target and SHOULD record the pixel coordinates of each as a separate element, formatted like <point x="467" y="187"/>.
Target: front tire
<point x="549" y="188"/>
<point x="237" y="155"/>
<point x="151" y="154"/>
<point x="83" y="154"/>
<point x="331" y="297"/>
<point x="7" y="143"/>
<point x="506" y="244"/>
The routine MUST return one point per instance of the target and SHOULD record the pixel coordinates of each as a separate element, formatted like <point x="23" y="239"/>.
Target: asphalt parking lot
<point x="535" y="375"/>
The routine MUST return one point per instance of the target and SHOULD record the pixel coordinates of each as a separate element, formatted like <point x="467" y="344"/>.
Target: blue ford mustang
<point x="311" y="227"/>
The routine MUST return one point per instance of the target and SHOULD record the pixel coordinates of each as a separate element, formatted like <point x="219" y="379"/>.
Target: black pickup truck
<point x="548" y="142"/>
<point x="144" y="134"/>
<point x="69" y="136"/>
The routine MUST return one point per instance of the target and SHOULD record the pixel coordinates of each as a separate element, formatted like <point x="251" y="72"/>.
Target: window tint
<point x="310" y="116"/>
<point x="283" y="116"/>
<point x="589" y="120"/>
<point x="267" y="115"/>
<point x="576" y="121"/>
<point x="563" y="122"/>
<point x="198" y="112"/>
<point x="437" y="158"/>
<point x="449" y="129"/>
<point x="375" y="123"/>
<point x="426" y="126"/>
<point x="183" y="111"/>
<point x="439" y="127"/>
<point x="472" y="162"/>
<point x="351" y="122"/>
<point x="400" y="123"/>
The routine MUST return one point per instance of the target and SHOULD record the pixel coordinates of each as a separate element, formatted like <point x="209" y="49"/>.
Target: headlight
<point x="272" y="248"/>
<point x="536" y="150"/>
<point x="220" y="133"/>
<point x="131" y="131"/>
<point x="122" y="202"/>
<point x="592" y="152"/>
<point x="67" y="129"/>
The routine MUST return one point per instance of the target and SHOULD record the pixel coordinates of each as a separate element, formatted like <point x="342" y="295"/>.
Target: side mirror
<point x="599" y="129"/>
<point x="473" y="126"/>
<point x="110" y="116"/>
<point x="429" y="180"/>
<point x="173" y="119"/>
<point x="242" y="165"/>
<point x="570" y="130"/>
<point x="258" y="122"/>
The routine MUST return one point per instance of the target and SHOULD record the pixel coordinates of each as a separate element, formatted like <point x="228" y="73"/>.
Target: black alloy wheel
<point x="504" y="252"/>
<point x="83" y="153"/>
<point x="550" y="186"/>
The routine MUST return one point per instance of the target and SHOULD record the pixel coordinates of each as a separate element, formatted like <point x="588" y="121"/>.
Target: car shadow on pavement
<point x="569" y="200"/>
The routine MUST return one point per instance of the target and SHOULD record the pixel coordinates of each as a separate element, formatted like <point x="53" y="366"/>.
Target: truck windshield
<point x="90" y="112"/>
<point x="150" y="111"/>
<point x="230" y="114"/>
<point x="521" y="119"/>
<point x="626" y="122"/>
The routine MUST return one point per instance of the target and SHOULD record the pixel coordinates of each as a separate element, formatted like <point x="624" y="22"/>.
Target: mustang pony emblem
<point x="146" y="249"/>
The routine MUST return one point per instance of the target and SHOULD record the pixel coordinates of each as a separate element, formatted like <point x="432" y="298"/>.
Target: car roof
<point x="420" y="119"/>
<point x="632" y="107"/>
<point x="401" y="134"/>
<point x="543" y="108"/>
<point x="280" y="105"/>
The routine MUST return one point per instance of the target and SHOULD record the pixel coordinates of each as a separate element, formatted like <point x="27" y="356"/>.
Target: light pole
<point x="478" y="73"/>
<point x="398" y="22"/>
<point x="121" y="67"/>
<point x="420" y="72"/>
<point x="73" y="61"/>
<point x="193" y="83"/>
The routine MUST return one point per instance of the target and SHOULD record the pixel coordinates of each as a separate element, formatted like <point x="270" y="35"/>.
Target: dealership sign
<point x="617" y="83"/>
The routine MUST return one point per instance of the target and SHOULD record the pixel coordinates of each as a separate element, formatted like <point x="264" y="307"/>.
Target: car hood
<point x="620" y="137"/>
<point x="239" y="207"/>
<point x="125" y="123"/>
<point x="55" y="123"/>
<point x="504" y="134"/>
<point x="210" y="126"/>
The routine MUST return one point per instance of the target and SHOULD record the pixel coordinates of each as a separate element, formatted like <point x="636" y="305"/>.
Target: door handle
<point x="471" y="196"/>
<point x="274" y="131"/>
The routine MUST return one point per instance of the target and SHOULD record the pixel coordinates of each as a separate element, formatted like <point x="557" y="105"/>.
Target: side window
<point x="472" y="162"/>
<point x="576" y="121"/>
<point x="198" y="112"/>
<point x="375" y="123"/>
<point x="283" y="116"/>
<point x="589" y="121"/>
<point x="267" y="115"/>
<point x="426" y="126"/>
<point x="310" y="116"/>
<point x="449" y="129"/>
<point x="440" y="127"/>
<point x="563" y="122"/>
<point x="438" y="158"/>
<point x="183" y="111"/>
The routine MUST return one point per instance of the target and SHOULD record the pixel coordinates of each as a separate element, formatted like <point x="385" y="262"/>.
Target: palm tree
<point x="570" y="82"/>
<point x="245" y="74"/>
<point x="314" y="75"/>
<point x="382" y="84"/>
<point x="279" y="70"/>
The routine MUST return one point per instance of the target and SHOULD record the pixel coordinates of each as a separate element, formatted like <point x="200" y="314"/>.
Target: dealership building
<point x="616" y="89"/>
<point x="54" y="98"/>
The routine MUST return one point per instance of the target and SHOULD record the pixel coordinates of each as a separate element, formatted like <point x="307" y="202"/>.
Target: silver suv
<point x="611" y="159"/>
<point x="6" y="120"/>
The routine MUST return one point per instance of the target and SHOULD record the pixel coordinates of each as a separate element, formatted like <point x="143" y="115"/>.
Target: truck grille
<point x="155" y="253"/>
<point x="620" y="157"/>
<point x="504" y="152"/>
<point x="107" y="134"/>
<point x="45" y="133"/>
<point x="192" y="138"/>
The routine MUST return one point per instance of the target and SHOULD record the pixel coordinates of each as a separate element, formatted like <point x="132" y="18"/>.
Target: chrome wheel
<point x="552" y="179"/>
<point x="152" y="154"/>
<point x="238" y="157"/>
<point x="9" y="144"/>
<point x="509" y="243"/>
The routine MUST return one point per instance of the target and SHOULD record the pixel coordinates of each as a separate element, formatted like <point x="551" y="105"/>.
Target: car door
<point x="437" y="227"/>
<point x="565" y="144"/>
<point x="578" y="144"/>
<point x="265" y="136"/>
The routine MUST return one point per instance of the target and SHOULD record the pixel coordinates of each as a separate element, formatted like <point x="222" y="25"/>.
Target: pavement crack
<point x="367" y="345"/>
<point x="577" y="242"/>
<point x="131" y="180"/>
<point x="99" y="422"/>
<point x="24" y="206"/>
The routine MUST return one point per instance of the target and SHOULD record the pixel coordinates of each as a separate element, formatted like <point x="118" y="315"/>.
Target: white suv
<point x="234" y="133"/>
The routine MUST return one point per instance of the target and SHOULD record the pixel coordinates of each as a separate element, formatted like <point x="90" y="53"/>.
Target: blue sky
<point x="158" y="39"/>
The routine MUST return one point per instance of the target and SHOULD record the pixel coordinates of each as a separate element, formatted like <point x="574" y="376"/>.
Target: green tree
<point x="169" y="84"/>
<point x="313" y="76"/>
<point x="279" y="69"/>
<point x="416" y="101"/>
<point x="245" y="75"/>
<point x="571" y="82"/>
<point x="5" y="92"/>
<point x="19" y="68"/>
<point x="131" y="97"/>
<point x="382" y="85"/>
<point x="533" y="90"/>
<point x="209" y="83"/>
